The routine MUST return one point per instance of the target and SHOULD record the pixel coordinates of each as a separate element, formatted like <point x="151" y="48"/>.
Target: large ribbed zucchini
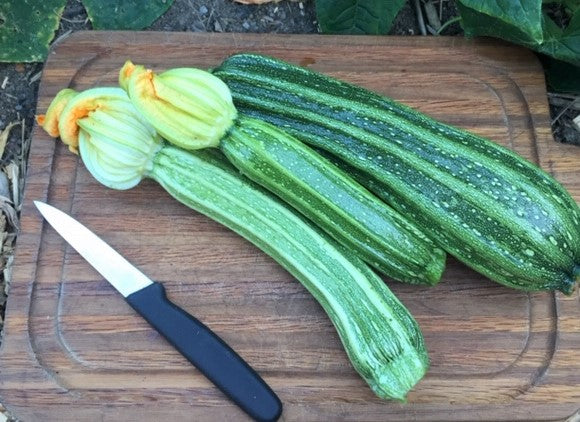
<point x="482" y="203"/>
<point x="119" y="148"/>
<point x="193" y="109"/>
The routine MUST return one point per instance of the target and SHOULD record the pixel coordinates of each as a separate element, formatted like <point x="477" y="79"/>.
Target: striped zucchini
<point x="381" y="338"/>
<point x="482" y="203"/>
<point x="120" y="148"/>
<point x="326" y="195"/>
<point x="184" y="104"/>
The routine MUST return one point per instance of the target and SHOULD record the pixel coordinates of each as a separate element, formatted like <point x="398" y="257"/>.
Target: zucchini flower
<point x="116" y="143"/>
<point x="189" y="107"/>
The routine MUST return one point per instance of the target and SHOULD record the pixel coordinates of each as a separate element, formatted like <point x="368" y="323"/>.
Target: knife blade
<point x="196" y="342"/>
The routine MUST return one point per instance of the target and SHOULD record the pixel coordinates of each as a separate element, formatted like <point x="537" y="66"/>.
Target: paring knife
<point x="204" y="349"/>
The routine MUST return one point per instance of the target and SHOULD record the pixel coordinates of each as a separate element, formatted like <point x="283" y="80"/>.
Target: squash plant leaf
<point x="572" y="5"/>
<point x="516" y="21"/>
<point x="125" y="14"/>
<point x="563" y="44"/>
<point x="357" y="16"/>
<point x="27" y="27"/>
<point x="523" y="22"/>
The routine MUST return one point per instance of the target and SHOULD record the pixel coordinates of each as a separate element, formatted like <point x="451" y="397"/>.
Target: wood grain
<point x="74" y="350"/>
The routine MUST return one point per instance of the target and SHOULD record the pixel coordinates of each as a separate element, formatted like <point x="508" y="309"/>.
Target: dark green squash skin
<point x="333" y="201"/>
<point x="482" y="203"/>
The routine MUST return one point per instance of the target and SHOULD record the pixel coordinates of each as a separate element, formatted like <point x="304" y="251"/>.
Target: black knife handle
<point x="208" y="353"/>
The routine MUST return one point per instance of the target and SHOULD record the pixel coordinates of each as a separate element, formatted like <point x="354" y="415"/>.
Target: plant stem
<point x="420" y="18"/>
<point x="564" y="110"/>
<point x="449" y="22"/>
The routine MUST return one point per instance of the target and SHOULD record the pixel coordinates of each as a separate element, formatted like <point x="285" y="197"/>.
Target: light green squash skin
<point x="382" y="340"/>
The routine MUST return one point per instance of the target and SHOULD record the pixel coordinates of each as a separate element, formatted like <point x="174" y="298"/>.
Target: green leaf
<point x="562" y="76"/>
<point x="357" y="16"/>
<point x="563" y="44"/>
<point x="27" y="27"/>
<point x="573" y="5"/>
<point x="517" y="21"/>
<point x="125" y="14"/>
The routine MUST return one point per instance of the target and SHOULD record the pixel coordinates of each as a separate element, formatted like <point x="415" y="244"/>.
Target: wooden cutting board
<point x="74" y="350"/>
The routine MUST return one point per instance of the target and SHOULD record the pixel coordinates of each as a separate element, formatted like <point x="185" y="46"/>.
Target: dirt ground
<point x="19" y="82"/>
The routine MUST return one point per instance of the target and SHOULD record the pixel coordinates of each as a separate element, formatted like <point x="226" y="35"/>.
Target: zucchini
<point x="119" y="148"/>
<point x="490" y="208"/>
<point x="193" y="109"/>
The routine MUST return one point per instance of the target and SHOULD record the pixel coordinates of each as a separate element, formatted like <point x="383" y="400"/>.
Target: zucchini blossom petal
<point x="116" y="143"/>
<point x="191" y="108"/>
<point x="49" y="121"/>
